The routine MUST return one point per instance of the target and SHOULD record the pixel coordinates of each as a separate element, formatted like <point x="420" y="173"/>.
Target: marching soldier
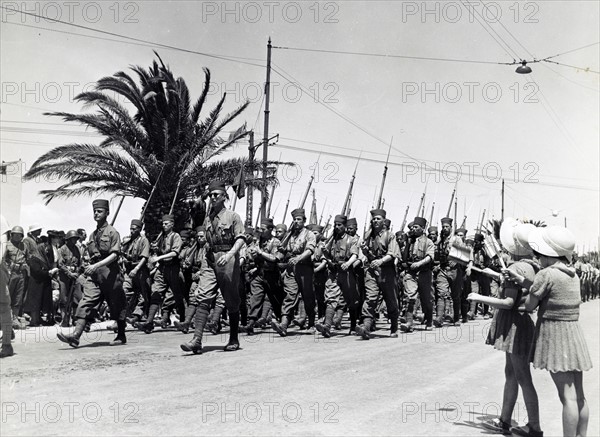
<point x="298" y="275"/>
<point x="449" y="279"/>
<point x="69" y="269"/>
<point x="167" y="275"/>
<point x="136" y="252"/>
<point x="340" y="253"/>
<point x="480" y="283"/>
<point x="103" y="278"/>
<point x="380" y="249"/>
<point x="420" y="253"/>
<point x="320" y="269"/>
<point x="225" y="235"/>
<point x="198" y="260"/>
<point x="265" y="283"/>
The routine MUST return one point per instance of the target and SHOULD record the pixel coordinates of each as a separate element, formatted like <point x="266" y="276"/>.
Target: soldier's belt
<point x="221" y="247"/>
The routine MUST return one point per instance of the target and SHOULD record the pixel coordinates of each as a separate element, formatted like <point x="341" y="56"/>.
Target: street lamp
<point x="523" y="68"/>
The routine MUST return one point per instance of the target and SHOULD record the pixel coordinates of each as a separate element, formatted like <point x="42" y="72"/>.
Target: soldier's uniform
<point x="480" y="283"/>
<point x="69" y="269"/>
<point x="320" y="273"/>
<point x="340" y="287"/>
<point x="167" y="277"/>
<point x="449" y="281"/>
<point x="380" y="280"/>
<point x="298" y="279"/>
<point x="223" y="228"/>
<point x="419" y="282"/>
<point x="137" y="288"/>
<point x="106" y="283"/>
<point x="265" y="282"/>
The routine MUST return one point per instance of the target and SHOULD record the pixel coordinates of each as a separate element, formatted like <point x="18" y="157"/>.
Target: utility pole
<point x="502" y="210"/>
<point x="251" y="151"/>
<point x="263" y="204"/>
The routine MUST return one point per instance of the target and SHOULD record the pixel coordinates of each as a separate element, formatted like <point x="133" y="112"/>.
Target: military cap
<point x="200" y="229"/>
<point x="216" y="186"/>
<point x="379" y="211"/>
<point x="410" y="225"/>
<point x="310" y="226"/>
<point x="479" y="237"/>
<point x="61" y="234"/>
<point x="185" y="233"/>
<point x="317" y="228"/>
<point x="387" y="223"/>
<point x="463" y="230"/>
<point x="298" y="212"/>
<point x="351" y="222"/>
<point x="399" y="233"/>
<point x="340" y="219"/>
<point x="446" y="220"/>
<point x="52" y="233"/>
<point x="168" y="218"/>
<point x="432" y="229"/>
<point x="81" y="231"/>
<point x="17" y="230"/>
<point x="138" y="223"/>
<point x="72" y="234"/>
<point x="281" y="226"/>
<point x="100" y="203"/>
<point x="268" y="222"/>
<point x="420" y="221"/>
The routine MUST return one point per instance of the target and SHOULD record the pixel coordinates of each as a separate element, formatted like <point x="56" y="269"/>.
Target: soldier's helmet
<point x="71" y="234"/>
<point x="17" y="230"/>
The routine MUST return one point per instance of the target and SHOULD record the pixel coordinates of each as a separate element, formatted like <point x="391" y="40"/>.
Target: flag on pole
<point x="239" y="184"/>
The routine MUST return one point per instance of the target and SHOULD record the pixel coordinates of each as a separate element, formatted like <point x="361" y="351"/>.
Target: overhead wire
<point x="130" y="38"/>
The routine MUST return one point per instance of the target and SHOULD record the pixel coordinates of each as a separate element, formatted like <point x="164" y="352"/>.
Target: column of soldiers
<point x="256" y="278"/>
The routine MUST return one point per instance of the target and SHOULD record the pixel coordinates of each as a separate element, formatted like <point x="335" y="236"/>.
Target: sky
<point x="406" y="76"/>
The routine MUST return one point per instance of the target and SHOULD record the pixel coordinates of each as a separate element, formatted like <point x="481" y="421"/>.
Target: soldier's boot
<point x="184" y="326"/>
<point x="214" y="325"/>
<point x="408" y="326"/>
<point x="353" y="320"/>
<point x="7" y="350"/>
<point x="364" y="330"/>
<point x="281" y="328"/>
<point x="64" y="322"/>
<point x="165" y="321"/>
<point x="200" y="319"/>
<point x="325" y="327"/>
<point x="234" y="323"/>
<point x="439" y="320"/>
<point x="134" y="320"/>
<point x="249" y="328"/>
<point x="73" y="339"/>
<point x="394" y="325"/>
<point x="311" y="322"/>
<point x="120" y="339"/>
<point x="148" y="325"/>
<point x="337" y="319"/>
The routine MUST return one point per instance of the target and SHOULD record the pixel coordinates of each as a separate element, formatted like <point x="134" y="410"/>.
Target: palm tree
<point x="165" y="148"/>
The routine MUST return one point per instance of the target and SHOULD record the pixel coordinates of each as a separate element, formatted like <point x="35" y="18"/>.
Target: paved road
<point x="436" y="383"/>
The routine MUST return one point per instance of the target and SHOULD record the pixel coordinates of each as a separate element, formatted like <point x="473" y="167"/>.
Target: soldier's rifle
<point x="346" y="207"/>
<point x="385" y="169"/>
